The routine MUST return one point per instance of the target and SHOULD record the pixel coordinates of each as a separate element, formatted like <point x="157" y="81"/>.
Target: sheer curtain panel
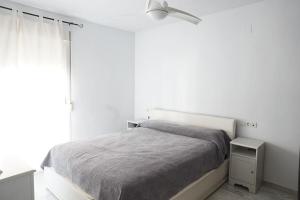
<point x="34" y="58"/>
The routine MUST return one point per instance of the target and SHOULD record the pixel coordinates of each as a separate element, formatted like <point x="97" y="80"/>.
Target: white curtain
<point x="34" y="58"/>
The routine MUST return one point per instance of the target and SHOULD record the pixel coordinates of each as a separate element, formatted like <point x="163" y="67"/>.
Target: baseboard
<point x="279" y="187"/>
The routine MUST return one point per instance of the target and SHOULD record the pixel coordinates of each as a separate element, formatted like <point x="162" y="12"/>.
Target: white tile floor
<point x="266" y="192"/>
<point x="41" y="193"/>
<point x="226" y="192"/>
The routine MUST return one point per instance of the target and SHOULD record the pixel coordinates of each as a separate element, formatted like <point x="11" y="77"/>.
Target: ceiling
<point x="129" y="14"/>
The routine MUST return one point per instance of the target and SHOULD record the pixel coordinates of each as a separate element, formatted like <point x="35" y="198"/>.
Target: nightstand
<point x="133" y="123"/>
<point x="16" y="182"/>
<point x="246" y="163"/>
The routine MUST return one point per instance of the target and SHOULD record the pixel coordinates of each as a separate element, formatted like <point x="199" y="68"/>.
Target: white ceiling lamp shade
<point x="159" y="11"/>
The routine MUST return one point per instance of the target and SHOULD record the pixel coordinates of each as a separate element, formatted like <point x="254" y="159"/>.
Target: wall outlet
<point x="247" y="124"/>
<point x="251" y="124"/>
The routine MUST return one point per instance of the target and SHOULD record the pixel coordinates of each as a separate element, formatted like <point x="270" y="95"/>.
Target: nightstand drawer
<point x="243" y="169"/>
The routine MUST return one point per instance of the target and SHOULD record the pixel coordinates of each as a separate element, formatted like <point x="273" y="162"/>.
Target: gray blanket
<point x="143" y="164"/>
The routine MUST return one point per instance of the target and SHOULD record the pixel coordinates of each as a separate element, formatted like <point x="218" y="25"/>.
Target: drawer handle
<point x="252" y="172"/>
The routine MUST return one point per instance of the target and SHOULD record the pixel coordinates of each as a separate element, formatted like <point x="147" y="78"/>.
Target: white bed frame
<point x="64" y="189"/>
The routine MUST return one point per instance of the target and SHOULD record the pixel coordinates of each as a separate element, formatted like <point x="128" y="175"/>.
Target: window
<point x="34" y="61"/>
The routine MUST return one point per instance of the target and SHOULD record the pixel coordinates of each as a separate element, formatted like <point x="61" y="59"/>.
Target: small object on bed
<point x="134" y="123"/>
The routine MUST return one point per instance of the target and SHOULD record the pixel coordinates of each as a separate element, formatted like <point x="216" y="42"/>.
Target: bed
<point x="158" y="151"/>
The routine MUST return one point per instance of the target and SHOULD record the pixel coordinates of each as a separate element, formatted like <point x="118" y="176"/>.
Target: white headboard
<point x="207" y="121"/>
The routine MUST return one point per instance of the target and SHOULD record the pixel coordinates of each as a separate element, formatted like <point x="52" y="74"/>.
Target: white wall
<point x="225" y="67"/>
<point x="102" y="80"/>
